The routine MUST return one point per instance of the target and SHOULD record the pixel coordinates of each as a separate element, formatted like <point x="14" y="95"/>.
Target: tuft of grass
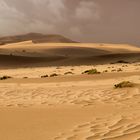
<point x="92" y="71"/>
<point x="53" y="75"/>
<point x="5" y="77"/>
<point x="124" y="84"/>
<point x="44" y="76"/>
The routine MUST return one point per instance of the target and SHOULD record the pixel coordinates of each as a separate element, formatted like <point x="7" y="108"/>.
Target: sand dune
<point x="35" y="37"/>
<point x="101" y="46"/>
<point x="19" y="38"/>
<point x="54" y="54"/>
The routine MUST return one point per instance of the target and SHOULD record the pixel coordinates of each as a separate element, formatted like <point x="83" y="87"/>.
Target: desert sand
<point x="72" y="105"/>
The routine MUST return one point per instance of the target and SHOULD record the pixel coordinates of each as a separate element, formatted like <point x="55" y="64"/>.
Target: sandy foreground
<point x="70" y="107"/>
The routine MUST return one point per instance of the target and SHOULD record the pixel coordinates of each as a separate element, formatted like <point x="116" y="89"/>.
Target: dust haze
<point x="82" y="20"/>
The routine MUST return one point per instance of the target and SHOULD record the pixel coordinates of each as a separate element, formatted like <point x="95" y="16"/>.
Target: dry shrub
<point x="124" y="84"/>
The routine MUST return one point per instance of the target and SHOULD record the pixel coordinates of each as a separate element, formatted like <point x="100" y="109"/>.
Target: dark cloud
<point x="84" y="20"/>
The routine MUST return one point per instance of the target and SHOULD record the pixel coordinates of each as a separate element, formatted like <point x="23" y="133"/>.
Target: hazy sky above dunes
<point x="116" y="21"/>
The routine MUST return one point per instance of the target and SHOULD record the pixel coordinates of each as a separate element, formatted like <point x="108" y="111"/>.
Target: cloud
<point x="87" y="10"/>
<point x="48" y="16"/>
<point x="83" y="20"/>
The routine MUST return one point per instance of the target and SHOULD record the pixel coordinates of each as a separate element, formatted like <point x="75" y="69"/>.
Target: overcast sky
<point x="116" y="21"/>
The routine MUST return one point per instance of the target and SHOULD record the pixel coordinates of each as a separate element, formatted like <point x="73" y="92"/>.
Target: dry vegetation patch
<point x="44" y="76"/>
<point x="68" y="73"/>
<point x="91" y="71"/>
<point x="54" y="75"/>
<point x="5" y="77"/>
<point x="124" y="84"/>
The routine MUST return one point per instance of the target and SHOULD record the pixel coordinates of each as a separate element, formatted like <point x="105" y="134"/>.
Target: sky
<point x="104" y="21"/>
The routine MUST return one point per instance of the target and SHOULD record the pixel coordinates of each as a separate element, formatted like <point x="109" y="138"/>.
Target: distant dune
<point x="32" y="53"/>
<point x="35" y="37"/>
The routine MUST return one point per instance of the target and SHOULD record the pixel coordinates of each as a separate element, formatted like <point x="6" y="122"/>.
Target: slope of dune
<point x="46" y="54"/>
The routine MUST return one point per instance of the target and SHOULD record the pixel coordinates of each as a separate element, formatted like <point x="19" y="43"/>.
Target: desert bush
<point x="124" y="84"/>
<point x="5" y="77"/>
<point x="53" y="75"/>
<point x="92" y="71"/>
<point x="66" y="73"/>
<point x="122" y="61"/>
<point x="118" y="70"/>
<point x="113" y="70"/>
<point x="44" y="76"/>
<point x="124" y="65"/>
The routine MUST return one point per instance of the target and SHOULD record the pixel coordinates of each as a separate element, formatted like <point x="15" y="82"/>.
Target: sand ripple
<point x="110" y="128"/>
<point x="56" y="94"/>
